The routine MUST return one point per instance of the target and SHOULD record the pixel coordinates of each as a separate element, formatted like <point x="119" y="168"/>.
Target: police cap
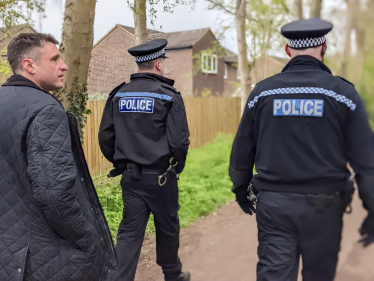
<point x="149" y="51"/>
<point x="306" y="33"/>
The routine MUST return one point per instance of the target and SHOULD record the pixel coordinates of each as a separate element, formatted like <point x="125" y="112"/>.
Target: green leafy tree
<point x="262" y="22"/>
<point x="76" y="48"/>
<point x="139" y="7"/>
<point x="13" y="13"/>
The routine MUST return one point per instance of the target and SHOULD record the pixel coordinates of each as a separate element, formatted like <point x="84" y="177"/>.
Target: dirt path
<point x="223" y="247"/>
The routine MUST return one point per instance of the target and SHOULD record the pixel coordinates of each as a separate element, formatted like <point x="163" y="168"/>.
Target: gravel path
<point x="223" y="246"/>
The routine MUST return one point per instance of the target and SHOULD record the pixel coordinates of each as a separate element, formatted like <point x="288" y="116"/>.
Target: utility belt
<point x="321" y="201"/>
<point x="131" y="171"/>
<point x="342" y="197"/>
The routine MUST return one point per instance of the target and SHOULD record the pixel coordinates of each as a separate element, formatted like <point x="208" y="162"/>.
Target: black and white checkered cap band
<point x="307" y="42"/>
<point x="150" y="57"/>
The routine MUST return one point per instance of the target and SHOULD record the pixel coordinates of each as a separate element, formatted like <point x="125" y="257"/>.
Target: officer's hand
<point x="367" y="231"/>
<point x="246" y="205"/>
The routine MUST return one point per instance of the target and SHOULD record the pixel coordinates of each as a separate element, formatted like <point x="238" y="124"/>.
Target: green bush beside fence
<point x="204" y="185"/>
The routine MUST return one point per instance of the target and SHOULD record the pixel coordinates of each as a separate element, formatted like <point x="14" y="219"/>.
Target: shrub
<point x="204" y="185"/>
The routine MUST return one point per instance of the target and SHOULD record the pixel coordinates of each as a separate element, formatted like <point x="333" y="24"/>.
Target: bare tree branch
<point x="220" y="5"/>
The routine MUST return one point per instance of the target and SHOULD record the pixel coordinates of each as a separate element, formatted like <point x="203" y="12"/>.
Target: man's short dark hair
<point x="27" y="45"/>
<point x="148" y="65"/>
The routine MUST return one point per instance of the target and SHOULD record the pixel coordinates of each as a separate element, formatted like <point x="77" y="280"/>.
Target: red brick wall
<point x="179" y="68"/>
<point x="110" y="63"/>
<point x="232" y="81"/>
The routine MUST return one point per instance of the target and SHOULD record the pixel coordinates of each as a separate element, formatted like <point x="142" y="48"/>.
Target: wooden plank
<point x="206" y="118"/>
<point x="88" y="137"/>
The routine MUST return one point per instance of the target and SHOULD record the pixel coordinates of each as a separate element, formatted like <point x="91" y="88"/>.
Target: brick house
<point x="196" y="71"/>
<point x="6" y="35"/>
<point x="231" y="76"/>
<point x="266" y="66"/>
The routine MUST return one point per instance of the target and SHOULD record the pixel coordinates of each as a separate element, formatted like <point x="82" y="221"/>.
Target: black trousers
<point x="141" y="198"/>
<point x="289" y="228"/>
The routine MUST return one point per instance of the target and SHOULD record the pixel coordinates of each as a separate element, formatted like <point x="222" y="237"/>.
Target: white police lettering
<point x="135" y="104"/>
<point x="288" y="104"/>
<point x="150" y="104"/>
<point x="298" y="107"/>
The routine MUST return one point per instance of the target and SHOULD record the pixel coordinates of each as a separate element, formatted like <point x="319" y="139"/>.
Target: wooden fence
<point x="206" y="118"/>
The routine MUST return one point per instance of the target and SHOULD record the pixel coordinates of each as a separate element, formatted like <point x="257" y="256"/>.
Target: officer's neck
<point x="313" y="52"/>
<point x="154" y="71"/>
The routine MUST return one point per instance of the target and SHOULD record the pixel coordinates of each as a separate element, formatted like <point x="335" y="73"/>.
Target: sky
<point x="111" y="12"/>
<point x="184" y="17"/>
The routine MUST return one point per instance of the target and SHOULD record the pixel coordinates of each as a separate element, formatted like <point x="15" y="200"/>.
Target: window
<point x="225" y="75"/>
<point x="209" y="63"/>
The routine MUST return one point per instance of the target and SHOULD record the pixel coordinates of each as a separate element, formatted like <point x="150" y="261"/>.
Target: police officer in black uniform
<point x="144" y="133"/>
<point x="300" y="128"/>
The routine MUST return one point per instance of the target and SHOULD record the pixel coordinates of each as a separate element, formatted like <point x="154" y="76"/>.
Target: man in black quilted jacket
<point x="52" y="226"/>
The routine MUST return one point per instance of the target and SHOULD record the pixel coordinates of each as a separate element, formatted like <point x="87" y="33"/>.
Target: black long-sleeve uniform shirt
<point x="300" y="128"/>
<point x="145" y="122"/>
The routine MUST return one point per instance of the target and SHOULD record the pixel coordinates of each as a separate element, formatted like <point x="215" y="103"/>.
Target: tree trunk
<point x="245" y="78"/>
<point x="316" y="9"/>
<point x="77" y="42"/>
<point x="347" y="43"/>
<point x="140" y="20"/>
<point x="360" y="56"/>
<point x="359" y="26"/>
<point x="298" y="9"/>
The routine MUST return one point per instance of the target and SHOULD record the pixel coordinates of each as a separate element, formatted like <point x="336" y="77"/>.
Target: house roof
<point x="176" y="40"/>
<point x="14" y="29"/>
<point x="230" y="57"/>
<point x="152" y="34"/>
<point x="282" y="60"/>
<point x="185" y="39"/>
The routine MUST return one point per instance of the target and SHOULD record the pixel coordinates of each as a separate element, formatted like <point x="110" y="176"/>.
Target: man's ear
<point x="288" y="50"/>
<point x="28" y="66"/>
<point x="158" y="65"/>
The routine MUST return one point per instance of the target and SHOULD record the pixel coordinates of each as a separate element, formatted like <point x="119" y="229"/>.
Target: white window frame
<point x="225" y="74"/>
<point x="213" y="63"/>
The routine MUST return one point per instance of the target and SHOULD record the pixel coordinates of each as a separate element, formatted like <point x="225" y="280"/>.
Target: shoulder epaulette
<point x="171" y="88"/>
<point x="345" y="80"/>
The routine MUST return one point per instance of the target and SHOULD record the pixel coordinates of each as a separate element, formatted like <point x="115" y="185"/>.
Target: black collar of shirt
<point x="305" y="62"/>
<point x="21" y="81"/>
<point x="153" y="76"/>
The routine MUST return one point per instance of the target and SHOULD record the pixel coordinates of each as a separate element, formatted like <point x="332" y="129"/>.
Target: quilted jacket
<point x="52" y="226"/>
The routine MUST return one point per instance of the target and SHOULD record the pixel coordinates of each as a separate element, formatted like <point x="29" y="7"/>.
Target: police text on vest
<point x="298" y="107"/>
<point x="132" y="104"/>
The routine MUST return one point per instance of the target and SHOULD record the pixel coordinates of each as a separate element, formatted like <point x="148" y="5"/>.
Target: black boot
<point x="184" y="276"/>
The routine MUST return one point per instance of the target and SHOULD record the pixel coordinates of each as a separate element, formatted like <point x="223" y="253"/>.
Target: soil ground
<point x="223" y="247"/>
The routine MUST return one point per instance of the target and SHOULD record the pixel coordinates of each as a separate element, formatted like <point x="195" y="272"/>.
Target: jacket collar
<point x="305" y="62"/>
<point x="21" y="81"/>
<point x="153" y="77"/>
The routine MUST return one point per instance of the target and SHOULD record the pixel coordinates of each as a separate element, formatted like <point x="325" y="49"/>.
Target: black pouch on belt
<point x="132" y="172"/>
<point x="347" y="195"/>
<point x="321" y="201"/>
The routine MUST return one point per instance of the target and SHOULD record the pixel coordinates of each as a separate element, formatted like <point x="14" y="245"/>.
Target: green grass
<point x="204" y="185"/>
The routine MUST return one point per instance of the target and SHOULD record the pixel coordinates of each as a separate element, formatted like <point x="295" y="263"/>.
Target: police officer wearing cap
<point x="299" y="129"/>
<point x="144" y="133"/>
